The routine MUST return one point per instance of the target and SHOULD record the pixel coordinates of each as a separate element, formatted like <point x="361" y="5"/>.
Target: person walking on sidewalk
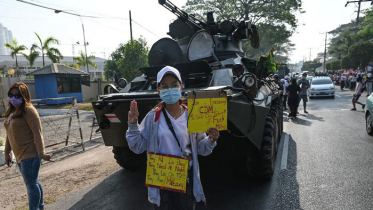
<point x="357" y="94"/>
<point x="24" y="137"/>
<point x="304" y="85"/>
<point x="164" y="130"/>
<point x="293" y="101"/>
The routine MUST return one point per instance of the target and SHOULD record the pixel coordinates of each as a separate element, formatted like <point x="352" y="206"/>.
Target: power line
<point x="145" y="28"/>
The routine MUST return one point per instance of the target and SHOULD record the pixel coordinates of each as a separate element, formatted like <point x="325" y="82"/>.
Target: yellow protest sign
<point x="205" y="113"/>
<point x="167" y="172"/>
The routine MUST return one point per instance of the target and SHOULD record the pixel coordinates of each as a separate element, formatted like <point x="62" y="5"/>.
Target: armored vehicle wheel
<point x="276" y="126"/>
<point x="280" y="110"/>
<point x="261" y="164"/>
<point x="129" y="160"/>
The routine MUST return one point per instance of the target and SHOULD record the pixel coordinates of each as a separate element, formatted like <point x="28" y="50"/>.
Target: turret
<point x="226" y="38"/>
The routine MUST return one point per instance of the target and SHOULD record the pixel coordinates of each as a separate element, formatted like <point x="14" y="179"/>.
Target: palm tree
<point x="16" y="49"/>
<point x="81" y="60"/>
<point x="31" y="57"/>
<point x="45" y="49"/>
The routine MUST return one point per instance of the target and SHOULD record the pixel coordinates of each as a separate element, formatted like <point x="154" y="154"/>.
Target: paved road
<point x="327" y="163"/>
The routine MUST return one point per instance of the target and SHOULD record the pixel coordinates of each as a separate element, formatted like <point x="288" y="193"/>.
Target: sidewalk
<point x="59" y="179"/>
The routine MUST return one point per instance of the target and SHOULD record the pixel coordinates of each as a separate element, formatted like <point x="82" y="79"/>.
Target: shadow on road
<point x="122" y="190"/>
<point x="227" y="185"/>
<point x="301" y="121"/>
<point x="313" y="117"/>
<point x="224" y="178"/>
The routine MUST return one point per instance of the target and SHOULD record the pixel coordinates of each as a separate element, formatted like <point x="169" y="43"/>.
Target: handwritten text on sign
<point x="207" y="113"/>
<point x="167" y="172"/>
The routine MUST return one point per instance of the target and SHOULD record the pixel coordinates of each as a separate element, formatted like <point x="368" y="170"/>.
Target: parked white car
<point x="321" y="87"/>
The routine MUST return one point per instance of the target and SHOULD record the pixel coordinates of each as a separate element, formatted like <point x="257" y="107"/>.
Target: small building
<point x="56" y="81"/>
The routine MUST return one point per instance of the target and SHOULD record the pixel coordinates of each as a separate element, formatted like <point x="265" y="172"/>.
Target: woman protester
<point x="25" y="139"/>
<point x="155" y="135"/>
<point x="293" y="99"/>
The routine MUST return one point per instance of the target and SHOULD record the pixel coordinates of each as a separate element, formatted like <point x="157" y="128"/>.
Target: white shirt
<point x="286" y="84"/>
<point x="358" y="88"/>
<point x="167" y="142"/>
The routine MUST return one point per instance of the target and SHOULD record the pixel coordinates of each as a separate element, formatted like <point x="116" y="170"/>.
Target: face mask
<point x="304" y="77"/>
<point x="15" y="102"/>
<point x="170" y="96"/>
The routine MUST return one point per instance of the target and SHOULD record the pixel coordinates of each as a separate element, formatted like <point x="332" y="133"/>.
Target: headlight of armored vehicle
<point x="249" y="81"/>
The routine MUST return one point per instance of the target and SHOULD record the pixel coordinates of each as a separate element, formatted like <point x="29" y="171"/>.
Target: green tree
<point x="336" y="65"/>
<point x="31" y="57"/>
<point x="361" y="54"/>
<point x="81" y="60"/>
<point x="346" y="63"/>
<point x="366" y="33"/>
<point x="328" y="66"/>
<point x="311" y="66"/>
<point x="45" y="48"/>
<point x="127" y="59"/>
<point x="276" y="20"/>
<point x="16" y="49"/>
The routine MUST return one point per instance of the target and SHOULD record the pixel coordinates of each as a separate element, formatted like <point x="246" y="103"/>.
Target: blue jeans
<point x="30" y="172"/>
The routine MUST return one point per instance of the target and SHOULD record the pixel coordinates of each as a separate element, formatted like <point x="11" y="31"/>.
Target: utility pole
<point x="326" y="38"/>
<point x="311" y="53"/>
<point x="358" y="11"/>
<point x="131" y="25"/>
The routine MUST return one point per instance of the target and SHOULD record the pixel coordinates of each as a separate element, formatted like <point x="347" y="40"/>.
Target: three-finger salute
<point x="213" y="134"/>
<point x="133" y="114"/>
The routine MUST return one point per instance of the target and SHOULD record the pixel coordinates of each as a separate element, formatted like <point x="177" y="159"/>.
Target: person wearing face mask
<point x="304" y="84"/>
<point x="24" y="137"/>
<point x="155" y="135"/>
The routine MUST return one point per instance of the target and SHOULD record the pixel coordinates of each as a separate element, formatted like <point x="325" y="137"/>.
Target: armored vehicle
<point x="206" y="54"/>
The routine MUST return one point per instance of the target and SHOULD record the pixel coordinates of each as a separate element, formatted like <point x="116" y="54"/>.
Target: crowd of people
<point x="349" y="80"/>
<point x="294" y="92"/>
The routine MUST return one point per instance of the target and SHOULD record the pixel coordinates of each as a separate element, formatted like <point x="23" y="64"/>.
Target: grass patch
<point x="81" y="106"/>
<point x="47" y="200"/>
<point x="25" y="207"/>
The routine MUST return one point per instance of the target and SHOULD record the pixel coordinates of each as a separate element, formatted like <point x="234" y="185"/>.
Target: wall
<point x="89" y="93"/>
<point x="6" y="82"/>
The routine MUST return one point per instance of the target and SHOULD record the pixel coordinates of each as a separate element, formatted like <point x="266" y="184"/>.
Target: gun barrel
<point x="191" y="20"/>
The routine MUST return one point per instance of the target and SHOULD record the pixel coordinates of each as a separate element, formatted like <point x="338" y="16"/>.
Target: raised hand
<point x="133" y="114"/>
<point x="213" y="134"/>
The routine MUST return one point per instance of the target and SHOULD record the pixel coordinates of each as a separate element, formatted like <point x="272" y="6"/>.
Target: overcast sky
<point x="105" y="34"/>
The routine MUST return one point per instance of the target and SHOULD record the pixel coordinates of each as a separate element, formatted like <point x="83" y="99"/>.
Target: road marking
<point x="338" y="95"/>
<point x="284" y="159"/>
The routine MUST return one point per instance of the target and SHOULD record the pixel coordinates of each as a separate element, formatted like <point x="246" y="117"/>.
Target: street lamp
<point x="85" y="43"/>
<point x="11" y="71"/>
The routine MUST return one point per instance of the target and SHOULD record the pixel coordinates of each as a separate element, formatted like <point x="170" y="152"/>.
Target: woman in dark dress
<point x="293" y="99"/>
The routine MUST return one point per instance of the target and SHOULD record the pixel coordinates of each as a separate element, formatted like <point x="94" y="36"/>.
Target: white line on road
<point x="284" y="159"/>
<point x="338" y="95"/>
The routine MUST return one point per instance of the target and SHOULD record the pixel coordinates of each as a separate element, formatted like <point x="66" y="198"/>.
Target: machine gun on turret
<point x="228" y="30"/>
